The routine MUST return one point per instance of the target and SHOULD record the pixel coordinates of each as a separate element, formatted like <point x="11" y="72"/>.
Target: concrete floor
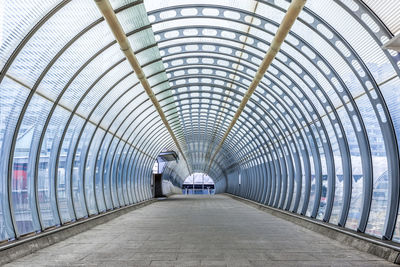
<point x="199" y="230"/>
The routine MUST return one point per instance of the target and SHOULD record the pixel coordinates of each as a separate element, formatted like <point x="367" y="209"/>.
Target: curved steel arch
<point x="275" y="146"/>
<point x="363" y="222"/>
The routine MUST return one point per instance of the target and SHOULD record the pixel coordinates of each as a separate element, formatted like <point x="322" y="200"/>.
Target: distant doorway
<point x="157" y="183"/>
<point x="198" y="184"/>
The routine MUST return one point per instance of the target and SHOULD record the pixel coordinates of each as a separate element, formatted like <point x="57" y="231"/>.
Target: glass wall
<point x="320" y="122"/>
<point x="71" y="109"/>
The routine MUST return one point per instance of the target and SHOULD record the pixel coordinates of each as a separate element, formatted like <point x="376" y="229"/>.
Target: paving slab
<point x="199" y="231"/>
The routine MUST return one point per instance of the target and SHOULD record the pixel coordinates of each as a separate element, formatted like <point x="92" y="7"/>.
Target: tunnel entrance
<point x="199" y="184"/>
<point x="158" y="192"/>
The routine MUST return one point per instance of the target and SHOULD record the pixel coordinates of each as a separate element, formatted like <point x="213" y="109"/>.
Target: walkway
<point x="199" y="230"/>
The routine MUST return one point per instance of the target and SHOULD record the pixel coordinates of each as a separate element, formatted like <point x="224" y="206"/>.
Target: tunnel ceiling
<point x="74" y="114"/>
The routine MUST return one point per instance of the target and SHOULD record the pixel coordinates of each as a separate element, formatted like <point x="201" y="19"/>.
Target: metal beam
<point x="119" y="34"/>
<point x="291" y="15"/>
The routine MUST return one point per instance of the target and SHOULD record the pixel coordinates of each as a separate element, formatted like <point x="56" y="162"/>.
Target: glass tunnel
<point x="82" y="121"/>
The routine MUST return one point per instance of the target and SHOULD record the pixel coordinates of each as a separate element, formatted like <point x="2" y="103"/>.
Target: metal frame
<point x="272" y="149"/>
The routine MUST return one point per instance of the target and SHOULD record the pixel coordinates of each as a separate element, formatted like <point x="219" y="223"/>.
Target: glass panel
<point x="50" y="38"/>
<point x="47" y="165"/>
<point x="101" y="192"/>
<point x="357" y="174"/>
<point x="120" y="178"/>
<point x="12" y="98"/>
<point x="392" y="96"/>
<point x="64" y="182"/>
<point x="117" y="189"/>
<point x="67" y="65"/>
<point x="102" y="86"/>
<point x="113" y="101"/>
<point x="78" y="170"/>
<point x="132" y="174"/>
<point x="339" y="180"/>
<point x="23" y="181"/>
<point x="386" y="13"/>
<point x="111" y="200"/>
<point x="380" y="193"/>
<point x="126" y="177"/>
<point x="14" y="28"/>
<point x="91" y="194"/>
